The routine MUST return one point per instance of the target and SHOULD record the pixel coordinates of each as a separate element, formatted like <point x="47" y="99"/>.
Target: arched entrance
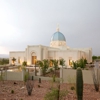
<point x="33" y="58"/>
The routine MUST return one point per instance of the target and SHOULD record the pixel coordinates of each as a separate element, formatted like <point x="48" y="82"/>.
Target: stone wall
<point x="70" y="75"/>
<point x="14" y="75"/>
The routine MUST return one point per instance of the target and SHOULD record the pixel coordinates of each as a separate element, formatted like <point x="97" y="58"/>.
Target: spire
<point x="57" y="28"/>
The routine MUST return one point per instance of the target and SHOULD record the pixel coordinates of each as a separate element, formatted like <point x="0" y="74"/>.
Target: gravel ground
<point x="50" y="74"/>
<point x="20" y="92"/>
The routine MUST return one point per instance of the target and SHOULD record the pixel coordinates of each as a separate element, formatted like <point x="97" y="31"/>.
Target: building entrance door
<point x="34" y="59"/>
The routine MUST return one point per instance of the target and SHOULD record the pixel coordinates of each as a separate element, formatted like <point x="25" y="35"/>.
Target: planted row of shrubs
<point x="79" y="63"/>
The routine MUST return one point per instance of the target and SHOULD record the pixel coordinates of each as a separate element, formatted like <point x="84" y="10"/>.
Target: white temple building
<point x="58" y="49"/>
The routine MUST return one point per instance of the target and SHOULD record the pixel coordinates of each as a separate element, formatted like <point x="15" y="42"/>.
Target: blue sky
<point x="32" y="22"/>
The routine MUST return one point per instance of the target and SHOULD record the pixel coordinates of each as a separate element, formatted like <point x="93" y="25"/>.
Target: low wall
<point x="69" y="75"/>
<point x="43" y="78"/>
<point x="13" y="75"/>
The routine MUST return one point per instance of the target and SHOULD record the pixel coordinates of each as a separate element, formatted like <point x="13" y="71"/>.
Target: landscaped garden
<point x="53" y="87"/>
<point x="18" y="91"/>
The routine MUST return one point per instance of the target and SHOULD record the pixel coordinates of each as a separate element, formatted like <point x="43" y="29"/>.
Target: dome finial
<point x="57" y="27"/>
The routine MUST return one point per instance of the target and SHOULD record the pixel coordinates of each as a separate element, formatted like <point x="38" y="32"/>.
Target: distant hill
<point x="4" y="56"/>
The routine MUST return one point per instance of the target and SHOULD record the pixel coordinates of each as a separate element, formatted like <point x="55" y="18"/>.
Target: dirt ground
<point x="50" y="74"/>
<point x="20" y="92"/>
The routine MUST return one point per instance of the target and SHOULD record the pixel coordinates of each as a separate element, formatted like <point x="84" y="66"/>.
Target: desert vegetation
<point x="79" y="63"/>
<point x="4" y="61"/>
<point x="95" y="58"/>
<point x="53" y="88"/>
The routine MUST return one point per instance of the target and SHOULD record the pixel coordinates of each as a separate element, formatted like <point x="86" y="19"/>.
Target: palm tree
<point x="13" y="60"/>
<point x="44" y="64"/>
<point x="24" y="63"/>
<point x="62" y="63"/>
<point x="94" y="58"/>
<point x="40" y="64"/>
<point x="55" y="64"/>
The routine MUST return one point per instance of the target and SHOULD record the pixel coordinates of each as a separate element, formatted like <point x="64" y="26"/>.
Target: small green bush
<point x="39" y="80"/>
<point x="86" y="69"/>
<point x="24" y="63"/>
<point x="12" y="91"/>
<point x="26" y="76"/>
<point x="32" y="77"/>
<point x="72" y="88"/>
<point x="54" y="94"/>
<point x="54" y="78"/>
<point x="51" y="70"/>
<point x="39" y="86"/>
<point x="79" y="63"/>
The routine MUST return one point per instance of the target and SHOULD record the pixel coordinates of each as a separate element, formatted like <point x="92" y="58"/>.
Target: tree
<point x="4" y="61"/>
<point x="24" y="63"/>
<point x="79" y="63"/>
<point x="85" y="61"/>
<point x="94" y="58"/>
<point x="55" y="64"/>
<point x="13" y="60"/>
<point x="62" y="63"/>
<point x="44" y="64"/>
<point x="98" y="57"/>
<point x="74" y="65"/>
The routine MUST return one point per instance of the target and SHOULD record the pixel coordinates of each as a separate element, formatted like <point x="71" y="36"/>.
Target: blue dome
<point x="58" y="36"/>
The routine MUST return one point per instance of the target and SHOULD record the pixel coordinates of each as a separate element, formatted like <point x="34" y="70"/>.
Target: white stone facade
<point x="57" y="50"/>
<point x="44" y="52"/>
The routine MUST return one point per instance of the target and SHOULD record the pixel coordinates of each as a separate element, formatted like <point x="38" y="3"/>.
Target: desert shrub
<point x="86" y="68"/>
<point x="54" y="81"/>
<point x="54" y="78"/>
<point x="51" y="70"/>
<point x="85" y="61"/>
<point x="24" y="63"/>
<point x="94" y="58"/>
<point x="96" y="78"/>
<point x="39" y="80"/>
<point x="72" y="82"/>
<point x="79" y="63"/>
<point x="26" y="76"/>
<point x="56" y="94"/>
<point x="72" y="88"/>
<point x="39" y="86"/>
<point x="12" y="91"/>
<point x="44" y="64"/>
<point x="4" y="61"/>
<point x="74" y="65"/>
<point x="29" y="86"/>
<point x="2" y="76"/>
<point x="51" y="84"/>
<point x="32" y="77"/>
